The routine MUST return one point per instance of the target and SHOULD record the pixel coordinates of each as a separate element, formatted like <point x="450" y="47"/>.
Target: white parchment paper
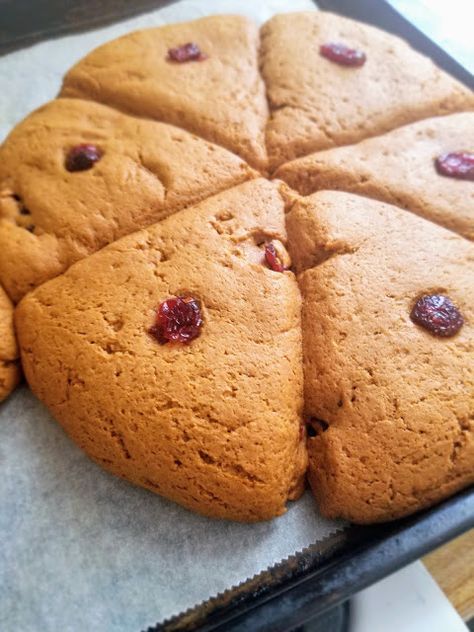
<point x="79" y="549"/>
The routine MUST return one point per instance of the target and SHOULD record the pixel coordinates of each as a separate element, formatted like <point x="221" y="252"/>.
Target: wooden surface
<point x="452" y="566"/>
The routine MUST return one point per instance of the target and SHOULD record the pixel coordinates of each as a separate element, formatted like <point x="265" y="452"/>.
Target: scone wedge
<point x="216" y="93"/>
<point x="213" y="424"/>
<point x="390" y="405"/>
<point x="317" y="102"/>
<point x="76" y="175"/>
<point x="403" y="167"/>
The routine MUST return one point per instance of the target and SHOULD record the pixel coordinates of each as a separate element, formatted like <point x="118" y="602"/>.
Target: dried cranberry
<point x="82" y="157"/>
<point x="342" y="54"/>
<point x="177" y="319"/>
<point x="186" y="52"/>
<point x="438" y="314"/>
<point x="272" y="258"/>
<point x="458" y="164"/>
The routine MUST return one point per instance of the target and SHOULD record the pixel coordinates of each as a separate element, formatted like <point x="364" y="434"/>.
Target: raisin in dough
<point x="398" y="168"/>
<point x="398" y="401"/>
<point x="9" y="362"/>
<point x="316" y="103"/>
<point x="213" y="425"/>
<point x="50" y="217"/>
<point x="221" y="98"/>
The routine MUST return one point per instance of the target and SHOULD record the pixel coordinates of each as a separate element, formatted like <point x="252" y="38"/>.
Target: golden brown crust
<point x="398" y="400"/>
<point x="214" y="425"/>
<point x="9" y="356"/>
<point x="221" y="98"/>
<point x="148" y="170"/>
<point x="316" y="104"/>
<point x="398" y="168"/>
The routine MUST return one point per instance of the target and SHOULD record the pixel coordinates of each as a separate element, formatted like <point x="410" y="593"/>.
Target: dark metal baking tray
<point x="325" y="574"/>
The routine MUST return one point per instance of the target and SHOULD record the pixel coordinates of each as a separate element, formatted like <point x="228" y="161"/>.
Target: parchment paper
<point x="81" y="550"/>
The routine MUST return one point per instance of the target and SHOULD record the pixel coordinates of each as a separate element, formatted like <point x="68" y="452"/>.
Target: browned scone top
<point x="9" y="354"/>
<point x="51" y="217"/>
<point x="316" y="103"/>
<point x="221" y="98"/>
<point x="213" y="425"/>
<point x="395" y="402"/>
<point x="398" y="168"/>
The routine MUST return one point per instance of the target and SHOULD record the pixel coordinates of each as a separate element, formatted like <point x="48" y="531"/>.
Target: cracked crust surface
<point x="214" y="425"/>
<point x="398" y="168"/>
<point x="9" y="355"/>
<point x="148" y="170"/>
<point x="221" y="98"/>
<point x="316" y="104"/>
<point x="399" y="402"/>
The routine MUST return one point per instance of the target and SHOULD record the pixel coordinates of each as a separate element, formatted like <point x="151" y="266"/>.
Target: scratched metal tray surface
<point x="316" y="579"/>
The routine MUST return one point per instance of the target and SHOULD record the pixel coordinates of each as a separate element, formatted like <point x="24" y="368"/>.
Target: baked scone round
<point x="9" y="354"/>
<point x="389" y="404"/>
<point x="213" y="424"/>
<point x="174" y="355"/>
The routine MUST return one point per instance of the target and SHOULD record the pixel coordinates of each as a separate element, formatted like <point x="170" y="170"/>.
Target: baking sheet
<point x="80" y="549"/>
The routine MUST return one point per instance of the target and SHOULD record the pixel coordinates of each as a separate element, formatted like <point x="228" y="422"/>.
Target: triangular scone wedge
<point x="390" y="405"/>
<point x="9" y="354"/>
<point x="316" y="103"/>
<point x="51" y="217"/>
<point x="399" y="168"/>
<point x="213" y="425"/>
<point x="221" y="98"/>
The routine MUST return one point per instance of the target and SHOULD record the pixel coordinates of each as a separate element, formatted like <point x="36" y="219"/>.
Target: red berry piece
<point x="272" y="258"/>
<point x="437" y="314"/>
<point x="178" y="319"/>
<point x="82" y="157"/>
<point x="186" y="52"/>
<point x="342" y="54"/>
<point x="458" y="164"/>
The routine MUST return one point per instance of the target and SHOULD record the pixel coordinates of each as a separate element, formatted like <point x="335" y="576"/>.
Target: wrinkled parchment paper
<point x="81" y="550"/>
